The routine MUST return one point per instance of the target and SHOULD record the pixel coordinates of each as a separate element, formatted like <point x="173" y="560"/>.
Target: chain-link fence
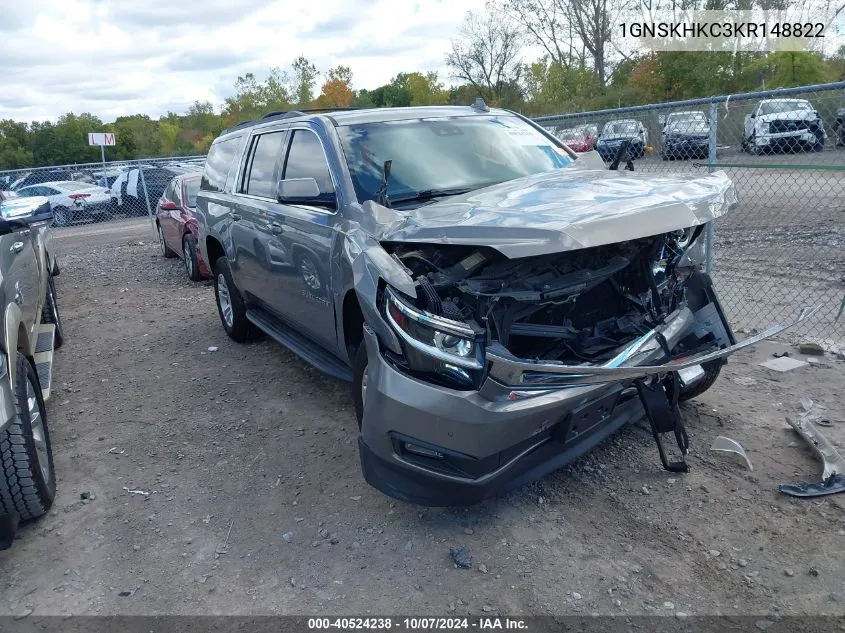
<point x="782" y="248"/>
<point x="97" y="192"/>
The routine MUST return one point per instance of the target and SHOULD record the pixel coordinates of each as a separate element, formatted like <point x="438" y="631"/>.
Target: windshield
<point x="449" y="153"/>
<point x="774" y="107"/>
<point x="192" y="188"/>
<point x="75" y="186"/>
<point x="689" y="126"/>
<point x="621" y="128"/>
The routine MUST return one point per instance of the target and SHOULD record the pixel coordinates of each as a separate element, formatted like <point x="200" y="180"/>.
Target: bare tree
<point x="546" y="22"/>
<point x="487" y="54"/>
<point x="591" y="21"/>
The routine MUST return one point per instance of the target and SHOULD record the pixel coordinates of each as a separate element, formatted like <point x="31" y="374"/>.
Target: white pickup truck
<point x="788" y="124"/>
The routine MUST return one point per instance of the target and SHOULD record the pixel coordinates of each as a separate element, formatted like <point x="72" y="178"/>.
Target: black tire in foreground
<point x="359" y="381"/>
<point x="711" y="373"/>
<point x="230" y="304"/>
<point x="27" y="480"/>
<point x="62" y="216"/>
<point x="50" y="313"/>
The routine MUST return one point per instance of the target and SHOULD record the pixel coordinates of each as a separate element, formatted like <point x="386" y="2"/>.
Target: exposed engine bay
<point x="577" y="306"/>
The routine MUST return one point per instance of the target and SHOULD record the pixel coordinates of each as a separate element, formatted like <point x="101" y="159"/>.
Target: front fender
<point x="371" y="265"/>
<point x="12" y="338"/>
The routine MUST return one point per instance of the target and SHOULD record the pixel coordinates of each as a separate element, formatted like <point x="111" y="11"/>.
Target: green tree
<point x="15" y="140"/>
<point x="422" y="88"/>
<point x="304" y="75"/>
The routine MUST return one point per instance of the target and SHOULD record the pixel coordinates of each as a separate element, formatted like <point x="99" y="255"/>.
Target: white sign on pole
<point x="101" y="138"/>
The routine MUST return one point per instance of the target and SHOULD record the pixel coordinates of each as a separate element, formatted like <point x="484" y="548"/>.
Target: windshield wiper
<point x="430" y="194"/>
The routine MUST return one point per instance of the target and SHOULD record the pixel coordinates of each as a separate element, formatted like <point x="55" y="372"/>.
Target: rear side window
<point x="177" y="193"/>
<point x="217" y="164"/>
<point x="263" y="171"/>
<point x="306" y="159"/>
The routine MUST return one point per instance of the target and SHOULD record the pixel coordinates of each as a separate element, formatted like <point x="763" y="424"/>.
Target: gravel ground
<point x="256" y="504"/>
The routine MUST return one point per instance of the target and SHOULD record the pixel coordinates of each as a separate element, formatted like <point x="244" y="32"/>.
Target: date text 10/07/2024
<point x="419" y="624"/>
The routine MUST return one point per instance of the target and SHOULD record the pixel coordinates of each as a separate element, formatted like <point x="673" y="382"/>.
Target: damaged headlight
<point x="435" y="345"/>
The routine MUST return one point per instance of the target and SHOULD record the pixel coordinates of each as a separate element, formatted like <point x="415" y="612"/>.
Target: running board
<point x="44" y="357"/>
<point x="303" y="347"/>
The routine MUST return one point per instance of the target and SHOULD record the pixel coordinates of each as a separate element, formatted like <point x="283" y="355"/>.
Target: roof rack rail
<point x="282" y="114"/>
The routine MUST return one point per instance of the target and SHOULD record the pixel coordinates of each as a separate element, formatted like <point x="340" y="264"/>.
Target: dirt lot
<point x="239" y="446"/>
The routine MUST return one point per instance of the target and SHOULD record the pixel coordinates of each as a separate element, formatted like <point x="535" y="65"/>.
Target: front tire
<point x="27" y="479"/>
<point x="50" y="313"/>
<point x="189" y="254"/>
<point x="360" y="373"/>
<point x="711" y="373"/>
<point x="230" y="304"/>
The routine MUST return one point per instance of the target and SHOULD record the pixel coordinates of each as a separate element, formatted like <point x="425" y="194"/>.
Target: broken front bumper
<point x="432" y="445"/>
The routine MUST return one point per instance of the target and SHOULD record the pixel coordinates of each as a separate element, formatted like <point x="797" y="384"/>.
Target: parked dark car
<point x="499" y="303"/>
<point x="177" y="224"/>
<point x="685" y="135"/>
<point x="839" y="127"/>
<point x="615" y="132"/>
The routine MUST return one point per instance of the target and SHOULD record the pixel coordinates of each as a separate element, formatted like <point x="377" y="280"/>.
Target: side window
<point x="307" y="160"/>
<point x="26" y="192"/>
<point x="48" y="191"/>
<point x="168" y="192"/>
<point x="177" y="192"/>
<point x="236" y="159"/>
<point x="217" y="164"/>
<point x="263" y="171"/>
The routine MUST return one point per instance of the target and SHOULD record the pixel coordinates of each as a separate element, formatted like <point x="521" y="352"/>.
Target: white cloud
<point x="113" y="57"/>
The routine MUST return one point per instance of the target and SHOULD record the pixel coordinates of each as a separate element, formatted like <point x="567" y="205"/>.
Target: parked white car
<point x="783" y="123"/>
<point x="71" y="200"/>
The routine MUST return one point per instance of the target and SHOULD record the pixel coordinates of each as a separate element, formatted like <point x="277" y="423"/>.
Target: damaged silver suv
<point x="499" y="303"/>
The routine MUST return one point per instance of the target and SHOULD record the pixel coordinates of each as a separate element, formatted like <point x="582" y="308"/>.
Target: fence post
<point x="147" y="197"/>
<point x="711" y="161"/>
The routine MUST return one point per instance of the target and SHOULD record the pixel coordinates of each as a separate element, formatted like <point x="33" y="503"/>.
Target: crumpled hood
<point x="794" y="115"/>
<point x="572" y="208"/>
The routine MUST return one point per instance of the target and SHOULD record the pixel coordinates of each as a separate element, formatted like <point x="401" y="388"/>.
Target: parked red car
<point x="579" y="139"/>
<point x="177" y="224"/>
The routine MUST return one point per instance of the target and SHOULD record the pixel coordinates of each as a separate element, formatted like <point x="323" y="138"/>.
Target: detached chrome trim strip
<point x="510" y="370"/>
<point x="430" y="321"/>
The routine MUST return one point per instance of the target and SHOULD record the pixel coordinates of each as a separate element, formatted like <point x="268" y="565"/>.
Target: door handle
<point x="17" y="247"/>
<point x="276" y="228"/>
<point x="236" y="216"/>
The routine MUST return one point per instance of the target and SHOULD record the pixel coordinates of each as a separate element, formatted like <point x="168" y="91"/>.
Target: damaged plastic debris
<point x="660" y="402"/>
<point x="727" y="445"/>
<point x="833" y="472"/>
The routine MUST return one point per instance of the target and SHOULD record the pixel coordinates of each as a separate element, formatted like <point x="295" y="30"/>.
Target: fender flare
<point x="11" y="340"/>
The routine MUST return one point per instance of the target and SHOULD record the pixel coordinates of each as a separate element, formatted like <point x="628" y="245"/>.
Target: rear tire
<point x="27" y="478"/>
<point x="162" y="245"/>
<point x="230" y="304"/>
<point x="359" y="381"/>
<point x="62" y="216"/>
<point x="189" y="254"/>
<point x="50" y="313"/>
<point x="711" y="373"/>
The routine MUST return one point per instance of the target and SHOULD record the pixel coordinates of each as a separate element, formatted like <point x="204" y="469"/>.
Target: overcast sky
<point x="116" y="57"/>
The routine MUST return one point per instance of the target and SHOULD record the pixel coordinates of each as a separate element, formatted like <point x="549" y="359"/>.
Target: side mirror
<point x="166" y="205"/>
<point x="303" y="191"/>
